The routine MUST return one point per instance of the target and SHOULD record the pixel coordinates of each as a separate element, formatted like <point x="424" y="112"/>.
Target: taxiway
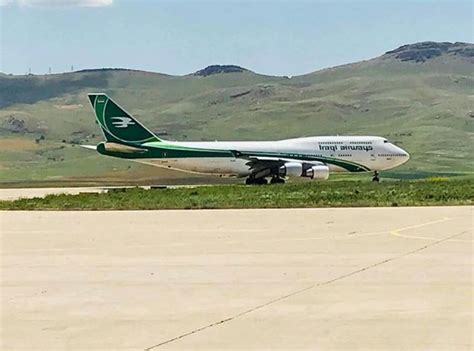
<point x="306" y="279"/>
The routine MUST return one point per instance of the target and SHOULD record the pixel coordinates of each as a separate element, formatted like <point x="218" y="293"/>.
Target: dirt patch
<point x="17" y="144"/>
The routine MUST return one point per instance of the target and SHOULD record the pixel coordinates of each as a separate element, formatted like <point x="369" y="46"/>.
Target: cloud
<point x="58" y="3"/>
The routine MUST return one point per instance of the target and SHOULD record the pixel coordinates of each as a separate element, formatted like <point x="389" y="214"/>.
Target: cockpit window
<point x="385" y="141"/>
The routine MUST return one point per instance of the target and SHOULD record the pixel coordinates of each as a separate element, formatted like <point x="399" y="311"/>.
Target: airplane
<point x="311" y="157"/>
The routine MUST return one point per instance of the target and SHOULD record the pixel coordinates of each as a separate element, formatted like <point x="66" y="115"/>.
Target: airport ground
<point x="310" y="194"/>
<point x="306" y="279"/>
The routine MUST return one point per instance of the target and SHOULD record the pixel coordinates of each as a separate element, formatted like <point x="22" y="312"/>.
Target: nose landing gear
<point x="376" y="177"/>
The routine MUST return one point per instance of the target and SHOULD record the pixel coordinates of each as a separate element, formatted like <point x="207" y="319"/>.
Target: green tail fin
<point x="117" y="124"/>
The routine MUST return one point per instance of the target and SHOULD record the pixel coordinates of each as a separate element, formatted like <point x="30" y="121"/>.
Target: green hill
<point x="420" y="96"/>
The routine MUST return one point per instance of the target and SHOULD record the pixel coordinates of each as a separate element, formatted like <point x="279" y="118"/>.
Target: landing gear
<point x="255" y="181"/>
<point x="249" y="181"/>
<point x="376" y="177"/>
<point x="277" y="180"/>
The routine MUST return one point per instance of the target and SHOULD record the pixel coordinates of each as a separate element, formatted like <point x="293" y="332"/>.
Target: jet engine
<point x="318" y="172"/>
<point x="296" y="169"/>
<point x="291" y="169"/>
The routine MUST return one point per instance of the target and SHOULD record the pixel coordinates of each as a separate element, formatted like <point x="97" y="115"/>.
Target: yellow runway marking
<point x="345" y="236"/>
<point x="396" y="232"/>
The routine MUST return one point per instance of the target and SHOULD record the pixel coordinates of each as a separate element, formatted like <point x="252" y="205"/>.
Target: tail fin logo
<point x="122" y="122"/>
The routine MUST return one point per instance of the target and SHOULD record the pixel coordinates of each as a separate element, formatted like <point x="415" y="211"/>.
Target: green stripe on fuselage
<point x="164" y="150"/>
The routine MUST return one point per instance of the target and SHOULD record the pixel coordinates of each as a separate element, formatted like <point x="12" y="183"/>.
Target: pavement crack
<point x="297" y="292"/>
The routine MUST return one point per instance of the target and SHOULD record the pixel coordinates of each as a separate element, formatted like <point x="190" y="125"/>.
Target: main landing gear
<point x="376" y="177"/>
<point x="263" y="181"/>
<point x="277" y="180"/>
<point x="255" y="181"/>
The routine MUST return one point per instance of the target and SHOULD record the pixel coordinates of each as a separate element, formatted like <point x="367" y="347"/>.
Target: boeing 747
<point x="312" y="157"/>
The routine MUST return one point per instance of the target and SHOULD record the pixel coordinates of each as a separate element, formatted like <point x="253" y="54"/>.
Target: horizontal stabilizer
<point x="90" y="147"/>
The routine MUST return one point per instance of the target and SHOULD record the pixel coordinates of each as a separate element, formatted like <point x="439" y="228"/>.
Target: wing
<point x="265" y="164"/>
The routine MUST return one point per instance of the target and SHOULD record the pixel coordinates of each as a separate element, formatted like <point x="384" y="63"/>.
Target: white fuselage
<point x="373" y="153"/>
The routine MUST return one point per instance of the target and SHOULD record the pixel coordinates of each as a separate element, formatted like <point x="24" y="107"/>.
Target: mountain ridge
<point x="426" y="106"/>
<point x="404" y="53"/>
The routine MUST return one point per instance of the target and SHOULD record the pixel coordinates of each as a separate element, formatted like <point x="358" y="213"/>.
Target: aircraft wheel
<point x="250" y="181"/>
<point x="277" y="180"/>
<point x="261" y="181"/>
<point x="255" y="181"/>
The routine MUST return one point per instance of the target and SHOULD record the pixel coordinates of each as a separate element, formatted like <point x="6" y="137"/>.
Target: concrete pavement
<point x="306" y="279"/>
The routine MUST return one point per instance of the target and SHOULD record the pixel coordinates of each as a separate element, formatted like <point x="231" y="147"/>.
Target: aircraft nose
<point x="407" y="155"/>
<point x="404" y="156"/>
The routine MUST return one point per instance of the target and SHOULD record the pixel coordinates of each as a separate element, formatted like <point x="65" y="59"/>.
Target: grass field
<point x="425" y="107"/>
<point x="433" y="192"/>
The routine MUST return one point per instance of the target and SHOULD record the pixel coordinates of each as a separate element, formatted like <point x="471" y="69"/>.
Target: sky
<point x="180" y="37"/>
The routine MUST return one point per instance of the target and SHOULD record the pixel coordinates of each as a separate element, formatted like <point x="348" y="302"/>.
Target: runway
<point x="9" y="194"/>
<point x="306" y="279"/>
